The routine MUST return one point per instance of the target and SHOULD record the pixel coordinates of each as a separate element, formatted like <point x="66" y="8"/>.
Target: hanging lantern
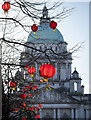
<point x="26" y="109"/>
<point x="46" y="71"/>
<point x="26" y="66"/>
<point x="32" y="107"/>
<point x="6" y="82"/>
<point x="6" y="7"/>
<point x="22" y="96"/>
<point x="23" y="90"/>
<point x="23" y="105"/>
<point x="37" y="116"/>
<point x="34" y="28"/>
<point x="36" y="109"/>
<point x="29" y="95"/>
<point x="35" y="87"/>
<point x="28" y="87"/>
<point x="13" y="85"/>
<point x="31" y="70"/>
<point x="41" y="80"/>
<point x="23" y="119"/>
<point x="39" y="106"/>
<point x="53" y="25"/>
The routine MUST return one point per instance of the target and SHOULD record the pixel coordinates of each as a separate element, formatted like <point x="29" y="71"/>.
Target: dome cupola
<point x="44" y="33"/>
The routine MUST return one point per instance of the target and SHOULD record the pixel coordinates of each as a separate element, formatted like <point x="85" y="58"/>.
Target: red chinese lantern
<point x="35" y="87"/>
<point x="39" y="106"/>
<point x="46" y="71"/>
<point x="32" y="107"/>
<point x="36" y="109"/>
<point x="29" y="95"/>
<point x="53" y="25"/>
<point x="22" y="96"/>
<point x="6" y="7"/>
<point x="23" y="90"/>
<point x="34" y="28"/>
<point x="28" y="87"/>
<point x="26" y="66"/>
<point x="41" y="80"/>
<point x="31" y="70"/>
<point x="23" y="119"/>
<point x="37" y="116"/>
<point x="26" y="109"/>
<point x="13" y="85"/>
<point x="6" y="82"/>
<point x="23" y="105"/>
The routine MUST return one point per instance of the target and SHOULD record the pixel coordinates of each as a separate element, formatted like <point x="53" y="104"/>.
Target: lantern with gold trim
<point x="31" y="70"/>
<point x="46" y="71"/>
<point x="13" y="85"/>
<point x="6" y="7"/>
<point x="34" y="28"/>
<point x="53" y="25"/>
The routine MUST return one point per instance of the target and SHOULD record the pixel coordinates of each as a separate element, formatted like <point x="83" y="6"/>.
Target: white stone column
<point x="41" y="114"/>
<point x="87" y="115"/>
<point x="66" y="70"/>
<point x="58" y="113"/>
<point x="72" y="113"/>
<point x="55" y="76"/>
<point x="76" y="113"/>
<point x="54" y="113"/>
<point x="69" y="70"/>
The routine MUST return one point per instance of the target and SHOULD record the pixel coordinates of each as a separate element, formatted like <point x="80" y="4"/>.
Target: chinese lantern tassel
<point x="31" y="75"/>
<point x="5" y="12"/>
<point x="54" y="29"/>
<point x="46" y="80"/>
<point x="13" y="88"/>
<point x="49" y="87"/>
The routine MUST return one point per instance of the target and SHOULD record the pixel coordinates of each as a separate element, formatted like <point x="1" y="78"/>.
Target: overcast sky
<point x="75" y="29"/>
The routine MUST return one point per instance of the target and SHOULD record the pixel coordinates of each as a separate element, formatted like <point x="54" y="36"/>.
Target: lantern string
<point x="47" y="84"/>
<point x="31" y="75"/>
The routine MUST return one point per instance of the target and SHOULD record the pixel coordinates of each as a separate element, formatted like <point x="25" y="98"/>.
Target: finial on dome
<point x="44" y="18"/>
<point x="75" y="68"/>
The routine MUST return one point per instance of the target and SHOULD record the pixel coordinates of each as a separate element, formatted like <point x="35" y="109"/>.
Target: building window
<point x="56" y="48"/>
<point x="75" y="86"/>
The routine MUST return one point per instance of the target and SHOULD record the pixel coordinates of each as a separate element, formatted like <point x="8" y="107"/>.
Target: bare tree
<point x="22" y="15"/>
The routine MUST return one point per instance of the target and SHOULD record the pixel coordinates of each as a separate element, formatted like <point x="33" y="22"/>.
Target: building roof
<point x="51" y="96"/>
<point x="45" y="35"/>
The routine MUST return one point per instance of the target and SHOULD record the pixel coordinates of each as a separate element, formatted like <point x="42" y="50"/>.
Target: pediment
<point x="51" y="96"/>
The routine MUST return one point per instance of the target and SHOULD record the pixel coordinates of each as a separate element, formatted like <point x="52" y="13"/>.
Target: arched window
<point x="75" y="86"/>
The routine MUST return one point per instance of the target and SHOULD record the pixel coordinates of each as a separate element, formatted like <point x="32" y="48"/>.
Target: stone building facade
<point x="67" y="98"/>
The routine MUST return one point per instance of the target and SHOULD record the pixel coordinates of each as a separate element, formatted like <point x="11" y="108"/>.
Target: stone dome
<point x="45" y="35"/>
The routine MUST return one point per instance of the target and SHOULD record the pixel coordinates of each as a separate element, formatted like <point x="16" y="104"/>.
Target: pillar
<point x="67" y="70"/>
<point x="76" y="113"/>
<point x="55" y="76"/>
<point x="87" y="114"/>
<point x="54" y="114"/>
<point x="58" y="113"/>
<point x="41" y="114"/>
<point x="72" y="113"/>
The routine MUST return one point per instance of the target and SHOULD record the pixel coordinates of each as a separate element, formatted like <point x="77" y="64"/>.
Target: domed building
<point x="67" y="98"/>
